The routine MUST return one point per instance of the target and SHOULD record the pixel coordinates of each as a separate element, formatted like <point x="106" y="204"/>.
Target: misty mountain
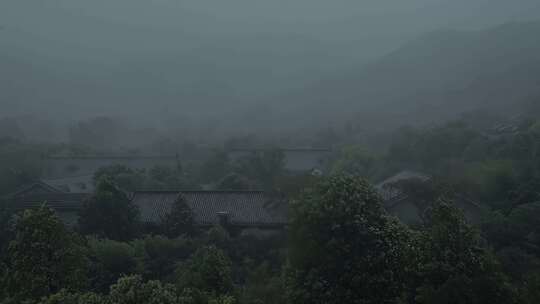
<point x="246" y="64"/>
<point x="440" y="75"/>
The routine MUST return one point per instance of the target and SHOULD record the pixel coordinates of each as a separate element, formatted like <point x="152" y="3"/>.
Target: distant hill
<point x="436" y="76"/>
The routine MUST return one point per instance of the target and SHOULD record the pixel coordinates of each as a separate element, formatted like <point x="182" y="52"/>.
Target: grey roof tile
<point x="390" y="193"/>
<point x="245" y="208"/>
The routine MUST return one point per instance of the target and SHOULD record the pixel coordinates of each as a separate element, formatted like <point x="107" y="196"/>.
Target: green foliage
<point x="493" y="181"/>
<point x="6" y="215"/>
<point x="355" y="160"/>
<point x="291" y="186"/>
<point x="215" y="167"/>
<point x="44" y="257"/>
<point x="110" y="261"/>
<point x="157" y="178"/>
<point x="109" y="213"/>
<point x="157" y="255"/>
<point x="20" y="164"/>
<point x="127" y="290"/>
<point x="263" y="287"/>
<point x="265" y="167"/>
<point x="514" y="239"/>
<point x="530" y="292"/>
<point x="99" y="132"/>
<point x="66" y="297"/>
<point x="208" y="270"/>
<point x="453" y="267"/>
<point x="344" y="249"/>
<point x="166" y="178"/>
<point x="126" y="178"/>
<point x="234" y="181"/>
<point x="133" y="290"/>
<point x="535" y="128"/>
<point x="180" y="220"/>
<point x="219" y="237"/>
<point x="222" y="299"/>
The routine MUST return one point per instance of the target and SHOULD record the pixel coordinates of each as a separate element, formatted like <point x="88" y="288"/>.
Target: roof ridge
<point x="112" y="157"/>
<point x="29" y="185"/>
<point x="282" y="149"/>
<point x="199" y="191"/>
<point x="67" y="177"/>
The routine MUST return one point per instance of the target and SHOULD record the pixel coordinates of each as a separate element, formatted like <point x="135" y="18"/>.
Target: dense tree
<point x="167" y="178"/>
<point x="110" y="260"/>
<point x="133" y="290"/>
<point x="180" y="220"/>
<point x="453" y="267"/>
<point x="127" y="290"/>
<point x="235" y="182"/>
<point x="44" y="257"/>
<point x="157" y="256"/>
<point x="215" y="167"/>
<point x="99" y="132"/>
<point x="264" y="167"/>
<point x="20" y="164"/>
<point x="344" y="249"/>
<point x="126" y="178"/>
<point x="263" y="287"/>
<point x="6" y="219"/>
<point x="343" y="246"/>
<point x="530" y="292"/>
<point x="513" y="237"/>
<point x="208" y="270"/>
<point x="109" y="213"/>
<point x="156" y="178"/>
<point x="357" y="161"/>
<point x="66" y="297"/>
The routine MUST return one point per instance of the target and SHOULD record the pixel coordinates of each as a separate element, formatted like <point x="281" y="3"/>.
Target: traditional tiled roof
<point x="37" y="187"/>
<point x="243" y="208"/>
<point x="296" y="159"/>
<point x="57" y="201"/>
<point x="390" y="193"/>
<point x="70" y="166"/>
<point x="75" y="184"/>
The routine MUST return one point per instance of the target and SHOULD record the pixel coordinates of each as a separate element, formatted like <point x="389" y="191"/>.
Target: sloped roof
<point x="295" y="159"/>
<point x="58" y="201"/>
<point x="390" y="193"/>
<point x="70" y="166"/>
<point x="35" y="188"/>
<point x="75" y="184"/>
<point x="244" y="208"/>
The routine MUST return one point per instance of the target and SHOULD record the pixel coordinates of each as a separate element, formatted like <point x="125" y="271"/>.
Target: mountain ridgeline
<point x="437" y="76"/>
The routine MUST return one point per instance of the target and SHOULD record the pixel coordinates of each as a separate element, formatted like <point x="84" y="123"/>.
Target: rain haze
<point x="234" y="63"/>
<point x="270" y="151"/>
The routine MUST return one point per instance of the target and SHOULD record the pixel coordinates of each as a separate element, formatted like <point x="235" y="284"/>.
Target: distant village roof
<point x="121" y="157"/>
<point x="62" y="166"/>
<point x="391" y="193"/>
<point x="399" y="204"/>
<point x="74" y="184"/>
<point x="39" y="192"/>
<point x="296" y="159"/>
<point x="37" y="187"/>
<point x="57" y="201"/>
<point x="243" y="208"/>
<point x="299" y="149"/>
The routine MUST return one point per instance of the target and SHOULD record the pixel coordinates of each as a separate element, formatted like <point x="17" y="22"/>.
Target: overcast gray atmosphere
<point x="163" y="60"/>
<point x="269" y="151"/>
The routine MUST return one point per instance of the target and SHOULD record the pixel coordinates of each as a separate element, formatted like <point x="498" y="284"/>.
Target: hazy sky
<point x="152" y="58"/>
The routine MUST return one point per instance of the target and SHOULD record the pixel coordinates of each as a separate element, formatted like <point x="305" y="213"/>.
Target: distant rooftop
<point x="389" y="193"/>
<point x="298" y="149"/>
<point x="244" y="208"/>
<point x="74" y="184"/>
<point x="111" y="157"/>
